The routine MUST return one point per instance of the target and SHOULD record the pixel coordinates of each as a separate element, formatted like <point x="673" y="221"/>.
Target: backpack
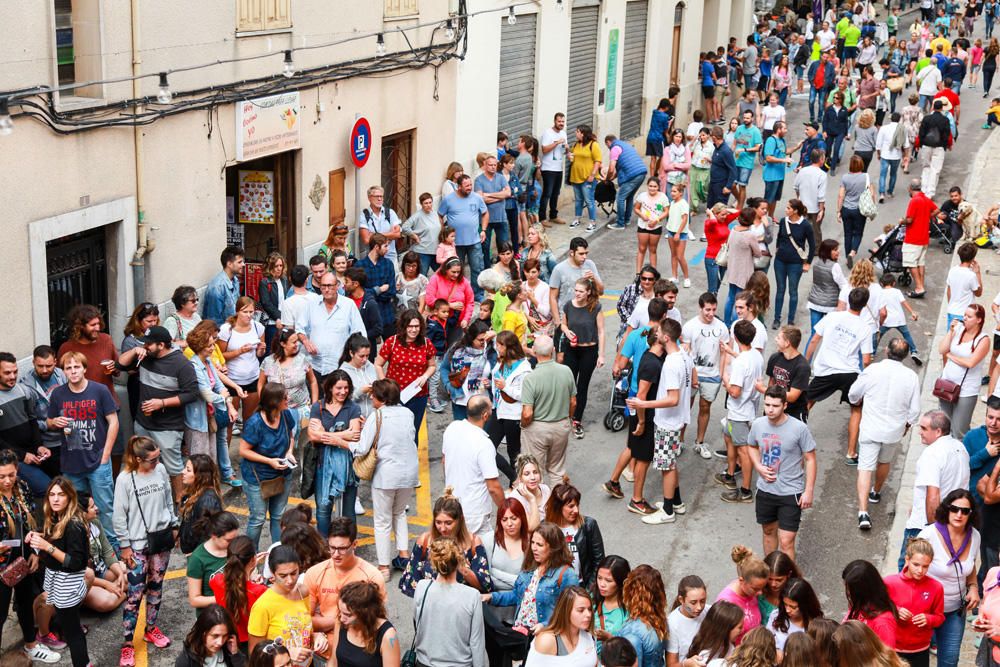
<point x="402" y="243"/>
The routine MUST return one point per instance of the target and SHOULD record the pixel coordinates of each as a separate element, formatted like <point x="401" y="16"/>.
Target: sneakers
<point x="234" y="482"/>
<point x="628" y="476"/>
<point x="52" y="641"/>
<point x="915" y="357"/>
<point x="678" y="508"/>
<point x="613" y="489"/>
<point x="720" y="453"/>
<point x="864" y="521"/>
<point x="659" y="517"/>
<point x="437" y="407"/>
<point x="359" y="509"/>
<point x="702" y="450"/>
<point x="687" y="282"/>
<point x="592" y="227"/>
<point x="575" y="223"/>
<point x="615" y="226"/>
<point x="578" y="430"/>
<point x="851" y="461"/>
<point x="42" y="653"/>
<point x="640" y="507"/>
<point x="725" y="479"/>
<point x="874" y="497"/>
<point x="155" y="637"/>
<point x="775" y="325"/>
<point x="738" y="496"/>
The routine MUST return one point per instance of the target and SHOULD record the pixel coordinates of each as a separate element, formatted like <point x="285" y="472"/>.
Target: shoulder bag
<point x="866" y="203"/>
<point x="157" y="541"/>
<point x="803" y="253"/>
<point x="270" y="488"/>
<point x="949" y="391"/>
<point x="18" y="568"/>
<point x="364" y="466"/>
<point x="409" y="658"/>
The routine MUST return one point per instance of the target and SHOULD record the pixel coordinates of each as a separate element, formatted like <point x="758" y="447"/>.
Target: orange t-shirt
<point x="324" y="582"/>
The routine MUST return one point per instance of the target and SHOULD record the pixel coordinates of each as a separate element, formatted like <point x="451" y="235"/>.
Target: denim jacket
<point x="649" y="649"/>
<point x="195" y="412"/>
<point x="220" y="298"/>
<point x="551" y="585"/>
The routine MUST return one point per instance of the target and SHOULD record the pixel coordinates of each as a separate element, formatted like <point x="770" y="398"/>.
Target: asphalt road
<point x="699" y="542"/>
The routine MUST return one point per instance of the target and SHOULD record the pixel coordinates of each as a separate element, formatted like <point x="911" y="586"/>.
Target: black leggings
<point x="581" y="360"/>
<point x="988" y="79"/>
<point x="919" y="659"/>
<point x="511" y="429"/>
<point x="69" y="622"/>
<point x="24" y="596"/>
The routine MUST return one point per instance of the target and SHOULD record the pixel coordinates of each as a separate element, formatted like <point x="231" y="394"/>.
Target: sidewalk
<point x="982" y="190"/>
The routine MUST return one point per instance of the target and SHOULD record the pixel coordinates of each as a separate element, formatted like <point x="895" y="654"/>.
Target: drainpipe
<point x="144" y="244"/>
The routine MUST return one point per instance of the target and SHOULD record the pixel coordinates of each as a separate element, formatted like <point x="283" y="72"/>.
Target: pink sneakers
<point x="156" y="637"/>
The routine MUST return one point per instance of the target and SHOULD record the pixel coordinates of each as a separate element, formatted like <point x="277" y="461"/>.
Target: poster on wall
<point x="267" y="125"/>
<point x="252" y="273"/>
<point x="235" y="232"/>
<point x="256" y="191"/>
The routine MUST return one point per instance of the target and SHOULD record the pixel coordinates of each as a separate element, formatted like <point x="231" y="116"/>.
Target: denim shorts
<point x="773" y="190"/>
<point x="743" y="175"/>
<point x="682" y="236"/>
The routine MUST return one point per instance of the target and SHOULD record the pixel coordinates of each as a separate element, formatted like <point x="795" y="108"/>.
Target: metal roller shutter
<point x="582" y="67"/>
<point x="633" y="68"/>
<point x="517" y="76"/>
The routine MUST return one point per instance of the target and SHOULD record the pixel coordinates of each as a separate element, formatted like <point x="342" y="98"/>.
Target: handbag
<point x="948" y="391"/>
<point x="803" y="253"/>
<point x="18" y="568"/>
<point x="866" y="203"/>
<point x="364" y="466"/>
<point x="722" y="258"/>
<point x="409" y="658"/>
<point x="157" y="541"/>
<point x="270" y="488"/>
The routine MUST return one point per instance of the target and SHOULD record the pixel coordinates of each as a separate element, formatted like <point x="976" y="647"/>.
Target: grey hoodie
<point x="157" y="506"/>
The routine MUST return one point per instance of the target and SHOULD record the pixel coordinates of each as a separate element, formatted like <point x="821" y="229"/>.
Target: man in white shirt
<point x="827" y="37"/>
<point x="673" y="412"/>
<point x="965" y="282"/>
<point x="836" y="367"/>
<point x="701" y="337"/>
<point x="328" y="325"/>
<point x="742" y="379"/>
<point x="927" y="85"/>
<point x="941" y="468"/>
<point x="295" y="306"/>
<point x="888" y="156"/>
<point x="470" y="468"/>
<point x="553" y="142"/>
<point x="889" y="395"/>
<point x="379" y="219"/>
<point x="810" y="187"/>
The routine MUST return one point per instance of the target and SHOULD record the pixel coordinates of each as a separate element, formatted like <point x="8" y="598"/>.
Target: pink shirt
<point x="440" y="288"/>
<point x="751" y="612"/>
<point x="977" y="54"/>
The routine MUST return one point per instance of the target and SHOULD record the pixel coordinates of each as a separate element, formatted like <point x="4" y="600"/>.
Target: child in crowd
<point x="446" y="245"/>
<point x="513" y="318"/>
<point x="439" y="325"/>
<point x="895" y="304"/>
<point x="410" y="283"/>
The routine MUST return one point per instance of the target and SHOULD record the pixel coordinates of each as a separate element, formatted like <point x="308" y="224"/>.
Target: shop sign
<point x="267" y="125"/>
<point x="612" y="85"/>
<point x="256" y="190"/>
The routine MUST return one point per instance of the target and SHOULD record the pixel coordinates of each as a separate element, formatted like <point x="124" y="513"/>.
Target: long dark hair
<point x="363" y="599"/>
<point x="210" y="617"/>
<point x="331" y="381"/>
<point x="404" y="319"/>
<point x="355" y="343"/>
<point x="239" y="555"/>
<point x="588" y="134"/>
<point x="206" y="478"/>
<point x="713" y="633"/>
<point x="803" y="594"/>
<point x="475" y="329"/>
<point x="619" y="569"/>
<point x="866" y="591"/>
<point x="512" y="506"/>
<point x="308" y="544"/>
<point x="270" y="400"/>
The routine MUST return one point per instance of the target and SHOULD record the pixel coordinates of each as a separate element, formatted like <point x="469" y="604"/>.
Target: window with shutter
<point x="249" y="15"/>
<point x="400" y="8"/>
<point x="258" y="15"/>
<point x="278" y="14"/>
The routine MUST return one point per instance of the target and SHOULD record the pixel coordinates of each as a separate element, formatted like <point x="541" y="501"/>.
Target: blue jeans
<point x="731" y="302"/>
<point x="790" y="272"/>
<point x="222" y="455"/>
<point x="887" y="167"/>
<point x="502" y="232"/>
<point x="924" y="102"/>
<point x="427" y="262"/>
<point x="908" y="534"/>
<point x="418" y="406"/>
<point x="783" y="96"/>
<point x="948" y="637"/>
<point x="836" y="148"/>
<point x="712" y="271"/>
<point x="473" y="256"/>
<point x="34" y="477"/>
<point x="626" y="197"/>
<point x="583" y="195"/>
<point x="100" y="483"/>
<point x="816" y="98"/>
<point x="259" y="509"/>
<point x="814" y="317"/>
<point x="324" y="509"/>
<point x="956" y="87"/>
<point x="458" y="412"/>
<point x="904" y="331"/>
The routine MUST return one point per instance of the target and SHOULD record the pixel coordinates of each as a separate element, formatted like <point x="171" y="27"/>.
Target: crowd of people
<point x="324" y="380"/>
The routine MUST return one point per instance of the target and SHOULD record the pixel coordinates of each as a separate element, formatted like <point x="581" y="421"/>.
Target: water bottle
<point x="68" y="428"/>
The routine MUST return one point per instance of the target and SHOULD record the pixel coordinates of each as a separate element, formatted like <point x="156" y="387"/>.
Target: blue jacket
<point x="808" y="146"/>
<point x="195" y="412"/>
<point x="650" y="650"/>
<point x="551" y="585"/>
<point x="835" y="123"/>
<point x="829" y="74"/>
<point x="629" y="164"/>
<point x="382" y="273"/>
<point x="980" y="461"/>
<point x="220" y="298"/>
<point x="723" y="169"/>
<point x="954" y="69"/>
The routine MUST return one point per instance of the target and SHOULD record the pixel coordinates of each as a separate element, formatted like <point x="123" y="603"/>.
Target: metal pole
<point x="357" y="201"/>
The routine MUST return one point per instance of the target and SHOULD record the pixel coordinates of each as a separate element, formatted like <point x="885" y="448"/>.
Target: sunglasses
<point x="152" y="460"/>
<point x="964" y="511"/>
<point x="271" y="648"/>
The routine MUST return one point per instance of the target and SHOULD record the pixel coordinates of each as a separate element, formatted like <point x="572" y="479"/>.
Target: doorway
<point x="397" y="172"/>
<point x="76" y="272"/>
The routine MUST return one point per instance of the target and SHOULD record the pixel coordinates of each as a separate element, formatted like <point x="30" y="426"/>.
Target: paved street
<point x="698" y="542"/>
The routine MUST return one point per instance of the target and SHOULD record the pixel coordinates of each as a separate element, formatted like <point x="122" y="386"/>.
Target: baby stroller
<point x="604" y="194"/>
<point x="942" y="232"/>
<point x="615" y="419"/>
<point x="888" y="257"/>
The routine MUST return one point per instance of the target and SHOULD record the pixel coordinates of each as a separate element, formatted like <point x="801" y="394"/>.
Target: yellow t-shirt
<point x="276" y="616"/>
<point x="218" y="360"/>
<point x="584" y="158"/>
<point x="515" y="321"/>
<point x="944" y="42"/>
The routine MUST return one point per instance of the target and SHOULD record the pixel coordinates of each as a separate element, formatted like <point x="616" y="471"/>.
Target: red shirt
<point x="716" y="233"/>
<point x="407" y="362"/>
<point x="920" y="597"/>
<point x="919" y="210"/>
<point x="96" y="352"/>
<point x="948" y="94"/>
<point x="254" y="591"/>
<point x="883" y="625"/>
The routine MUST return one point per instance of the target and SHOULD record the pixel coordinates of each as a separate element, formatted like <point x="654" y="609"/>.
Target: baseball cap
<point x="157" y="335"/>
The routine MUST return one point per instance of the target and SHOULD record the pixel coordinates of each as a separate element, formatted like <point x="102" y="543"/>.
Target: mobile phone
<point x="10" y="543"/>
<point x="288" y="464"/>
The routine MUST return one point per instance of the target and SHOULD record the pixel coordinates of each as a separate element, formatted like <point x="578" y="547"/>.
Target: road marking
<point x="698" y="259"/>
<point x="422" y="519"/>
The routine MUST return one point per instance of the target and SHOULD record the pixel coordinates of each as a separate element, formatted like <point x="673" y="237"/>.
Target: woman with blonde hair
<point x="529" y="489"/>
<point x="567" y="640"/>
<point x="336" y="239"/>
<point x="537" y="247"/>
<point x="864" y="136"/>
<point x="451" y="174"/>
<point x="756" y="650"/>
<point x="645" y="599"/>
<point x="241" y="339"/>
<point x="859" y="646"/>
<point x="863" y="275"/>
<point x="752" y="574"/>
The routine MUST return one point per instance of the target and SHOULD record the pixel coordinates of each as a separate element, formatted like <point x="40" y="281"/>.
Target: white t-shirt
<point x="962" y="282"/>
<point x="871" y="310"/>
<point x="843" y="335"/>
<point x="770" y="115"/>
<point x="682" y="631"/>
<point x="245" y="368"/>
<point x="781" y="637"/>
<point x="745" y="370"/>
<point x="653" y="208"/>
<point x="541" y="292"/>
<point x="944" y="464"/>
<point x="693" y="129"/>
<point x="952" y="577"/>
<point x="469" y="460"/>
<point x="295" y="307"/>
<point x="555" y="159"/>
<point x="675" y="374"/>
<point x="640" y="313"/>
<point x="759" y="337"/>
<point x="893" y="301"/>
<point x="969" y="378"/>
<point x="826" y="39"/>
<point x="703" y="341"/>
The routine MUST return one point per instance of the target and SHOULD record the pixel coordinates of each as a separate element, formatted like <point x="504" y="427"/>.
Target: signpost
<point x="361" y="150"/>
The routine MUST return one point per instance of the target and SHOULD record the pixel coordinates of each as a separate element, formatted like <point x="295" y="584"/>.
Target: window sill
<point x="76" y="103"/>
<point x="258" y="33"/>
<point x="407" y="17"/>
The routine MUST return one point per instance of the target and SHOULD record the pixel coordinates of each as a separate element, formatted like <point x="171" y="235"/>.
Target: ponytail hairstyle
<point x="748" y="566"/>
<point x="448" y="504"/>
<point x="215" y="524"/>
<point x="691" y="582"/>
<point x="241" y="303"/>
<point x="239" y="556"/>
<point x="592" y="295"/>
<point x="206" y="478"/>
<point x="138" y="447"/>
<point x="355" y="343"/>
